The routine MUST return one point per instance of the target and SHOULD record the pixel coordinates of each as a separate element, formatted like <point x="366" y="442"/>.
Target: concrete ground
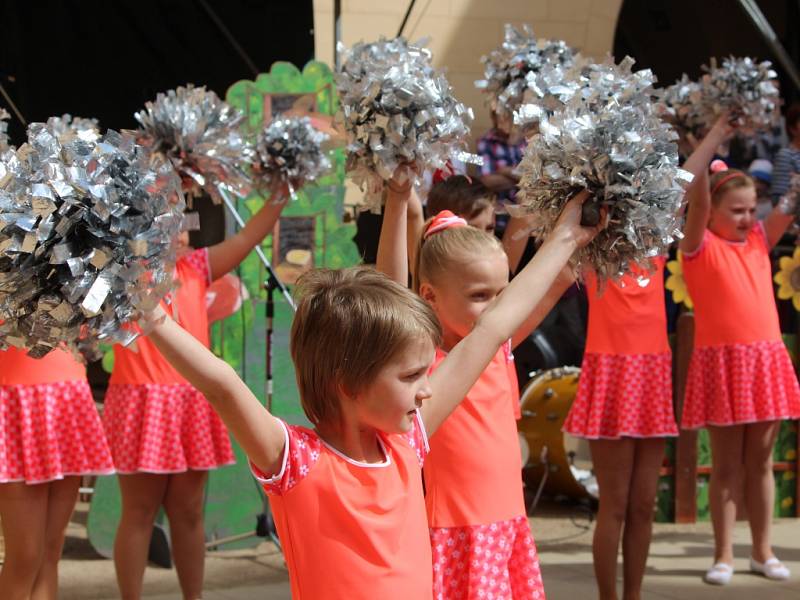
<point x="678" y="557"/>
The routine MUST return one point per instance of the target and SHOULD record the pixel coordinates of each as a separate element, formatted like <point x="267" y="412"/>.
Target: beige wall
<point x="462" y="31"/>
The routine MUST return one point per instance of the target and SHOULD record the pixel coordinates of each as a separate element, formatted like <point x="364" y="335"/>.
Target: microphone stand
<point x="259" y="252"/>
<point x="265" y="524"/>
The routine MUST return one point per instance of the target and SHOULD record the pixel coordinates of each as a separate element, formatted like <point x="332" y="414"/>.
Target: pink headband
<point x="724" y="180"/>
<point x="444" y="220"/>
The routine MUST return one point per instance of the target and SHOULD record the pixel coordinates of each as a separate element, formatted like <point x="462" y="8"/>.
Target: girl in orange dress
<point x="624" y="408"/>
<point x="480" y="538"/>
<point x="741" y="381"/>
<point x="50" y="435"/>
<point x="163" y="434"/>
<point x="347" y="494"/>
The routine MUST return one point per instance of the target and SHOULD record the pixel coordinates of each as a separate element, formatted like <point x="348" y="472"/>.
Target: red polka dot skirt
<point x="623" y="395"/>
<point x="164" y="428"/>
<point x="492" y="562"/>
<point x="740" y="383"/>
<point x="50" y="431"/>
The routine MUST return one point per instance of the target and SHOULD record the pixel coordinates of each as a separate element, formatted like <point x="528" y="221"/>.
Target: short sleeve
<point x="300" y="453"/>
<point x="699" y="250"/>
<point x="417" y="438"/>
<point x="198" y="260"/>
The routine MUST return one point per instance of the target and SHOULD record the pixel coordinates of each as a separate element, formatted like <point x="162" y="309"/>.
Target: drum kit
<point x="553" y="462"/>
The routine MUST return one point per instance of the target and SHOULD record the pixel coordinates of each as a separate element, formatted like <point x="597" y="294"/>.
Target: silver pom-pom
<point x="681" y="106"/>
<point x="610" y="140"/>
<point x="87" y="240"/>
<point x="199" y="134"/>
<point x="66" y="127"/>
<point x="744" y="87"/>
<point x="397" y="109"/>
<point x="290" y="153"/>
<point x="522" y="76"/>
<point x="4" y="116"/>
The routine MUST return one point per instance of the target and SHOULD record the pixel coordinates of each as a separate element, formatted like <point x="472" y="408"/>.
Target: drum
<point x="545" y="403"/>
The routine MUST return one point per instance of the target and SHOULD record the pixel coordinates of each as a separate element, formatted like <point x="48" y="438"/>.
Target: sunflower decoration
<point x="788" y="278"/>
<point x="677" y="284"/>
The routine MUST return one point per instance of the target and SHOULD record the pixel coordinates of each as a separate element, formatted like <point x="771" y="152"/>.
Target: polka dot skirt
<point x="492" y="562"/>
<point x="164" y="428"/>
<point x="740" y="383"/>
<point x="623" y="395"/>
<point x="50" y="431"/>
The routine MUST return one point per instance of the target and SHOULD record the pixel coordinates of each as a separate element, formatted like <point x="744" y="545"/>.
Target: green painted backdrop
<point x="241" y="339"/>
<point x="232" y="498"/>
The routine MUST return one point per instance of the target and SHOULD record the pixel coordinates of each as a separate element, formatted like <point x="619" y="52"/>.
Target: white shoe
<point x="772" y="568"/>
<point x="719" y="574"/>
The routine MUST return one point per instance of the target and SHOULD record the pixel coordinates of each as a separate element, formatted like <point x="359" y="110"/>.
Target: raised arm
<point x="777" y="222"/>
<point x="415" y="224"/>
<point x="466" y="361"/>
<point x="697" y="195"/>
<point x="698" y="161"/>
<point x="565" y="279"/>
<point x="392" y="258"/>
<point x="259" y="433"/>
<point x="226" y="256"/>
<point x="500" y="181"/>
<point x="515" y="239"/>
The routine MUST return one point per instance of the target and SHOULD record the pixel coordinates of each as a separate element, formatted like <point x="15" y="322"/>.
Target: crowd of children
<point x="407" y="484"/>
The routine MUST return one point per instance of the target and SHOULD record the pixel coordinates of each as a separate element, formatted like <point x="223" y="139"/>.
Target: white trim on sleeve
<point x="279" y="475"/>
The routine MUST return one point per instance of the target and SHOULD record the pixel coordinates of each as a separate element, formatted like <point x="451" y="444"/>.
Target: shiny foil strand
<point x="88" y="234"/>
<point x="609" y="139"/>
<point x="396" y="109"/>
<point x="66" y="128"/>
<point x="200" y="136"/>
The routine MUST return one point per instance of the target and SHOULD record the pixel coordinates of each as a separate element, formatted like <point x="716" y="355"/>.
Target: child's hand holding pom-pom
<point x="610" y="140"/>
<point x="397" y="109"/>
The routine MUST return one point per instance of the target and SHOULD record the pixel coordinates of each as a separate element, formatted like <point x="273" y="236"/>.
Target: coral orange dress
<point x="625" y="386"/>
<point x="155" y="420"/>
<point x="481" y="542"/>
<point x="350" y="529"/>
<point x="49" y="426"/>
<point x="740" y="371"/>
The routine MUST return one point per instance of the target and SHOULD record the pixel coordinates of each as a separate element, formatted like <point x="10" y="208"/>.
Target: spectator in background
<point x="762" y="144"/>
<point x="501" y="154"/>
<point x="761" y="172"/>
<point x="787" y="160"/>
<point x="468" y="199"/>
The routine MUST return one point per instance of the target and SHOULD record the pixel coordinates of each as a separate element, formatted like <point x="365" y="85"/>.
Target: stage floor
<point x="678" y="558"/>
